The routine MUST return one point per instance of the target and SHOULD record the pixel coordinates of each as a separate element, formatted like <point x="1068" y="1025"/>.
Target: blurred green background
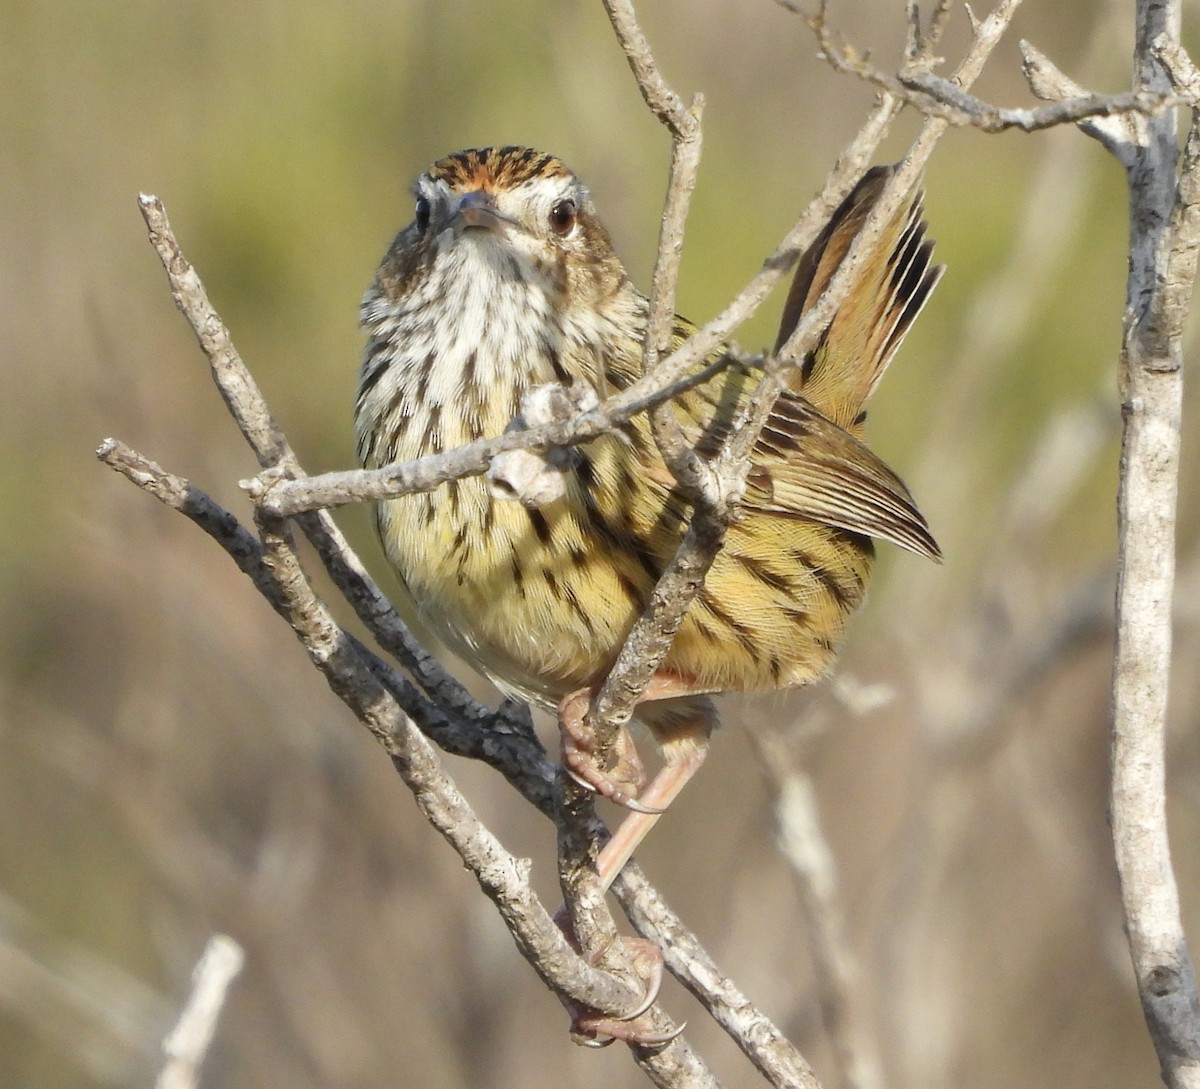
<point x="169" y="763"/>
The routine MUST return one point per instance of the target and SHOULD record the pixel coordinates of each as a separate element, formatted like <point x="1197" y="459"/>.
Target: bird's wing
<point x="804" y="466"/>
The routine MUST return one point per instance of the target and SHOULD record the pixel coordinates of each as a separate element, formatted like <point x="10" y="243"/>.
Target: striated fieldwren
<point x="505" y="281"/>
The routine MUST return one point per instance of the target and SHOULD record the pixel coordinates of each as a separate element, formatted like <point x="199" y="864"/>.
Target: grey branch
<point x="1164" y="242"/>
<point x="651" y="637"/>
<point x="503" y="878"/>
<point x="918" y="86"/>
<point x="967" y="110"/>
<point x="188" y="1042"/>
<point x="666" y="105"/>
<point x="1119" y="133"/>
<point x="652" y="634"/>
<point x="502" y="741"/>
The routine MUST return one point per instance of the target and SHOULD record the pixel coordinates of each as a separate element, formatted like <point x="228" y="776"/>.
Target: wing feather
<point x="807" y="467"/>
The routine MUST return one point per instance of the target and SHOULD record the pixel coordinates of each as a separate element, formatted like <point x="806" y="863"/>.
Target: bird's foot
<point x="622" y="782"/>
<point x="592" y="1029"/>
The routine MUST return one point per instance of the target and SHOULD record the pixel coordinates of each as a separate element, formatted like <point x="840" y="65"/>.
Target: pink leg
<point x="684" y="741"/>
<point x="661" y="792"/>
<point x="588" y="1027"/>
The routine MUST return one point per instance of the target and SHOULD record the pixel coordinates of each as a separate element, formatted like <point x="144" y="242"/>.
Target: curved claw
<point x="627" y="1032"/>
<point x="590" y="1029"/>
<point x="603" y="786"/>
<point x="576" y="777"/>
<point x="654" y="980"/>
<point x="637" y="807"/>
<point x="583" y="1040"/>
<point x="660" y="1039"/>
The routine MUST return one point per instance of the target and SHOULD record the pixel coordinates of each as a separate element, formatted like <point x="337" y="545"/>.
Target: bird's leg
<point x="683" y="737"/>
<point x="674" y="775"/>
<point x="683" y="758"/>
<point x="684" y="742"/>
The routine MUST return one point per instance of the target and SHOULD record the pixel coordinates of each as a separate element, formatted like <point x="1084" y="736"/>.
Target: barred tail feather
<point x="867" y="329"/>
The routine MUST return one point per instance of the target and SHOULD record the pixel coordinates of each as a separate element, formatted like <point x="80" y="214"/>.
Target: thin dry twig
<point x="188" y="1042"/>
<point x="613" y="705"/>
<point x="520" y="758"/>
<point x="349" y="673"/>
<point x="964" y="109"/>
<point x="530" y="772"/>
<point x="918" y="86"/>
<point x="651" y="637"/>
<point x="802" y="842"/>
<point x="1046" y="81"/>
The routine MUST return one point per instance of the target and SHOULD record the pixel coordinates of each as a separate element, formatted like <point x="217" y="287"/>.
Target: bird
<point x="505" y="282"/>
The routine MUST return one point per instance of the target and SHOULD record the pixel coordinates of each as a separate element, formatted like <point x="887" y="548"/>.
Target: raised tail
<point x="845" y="367"/>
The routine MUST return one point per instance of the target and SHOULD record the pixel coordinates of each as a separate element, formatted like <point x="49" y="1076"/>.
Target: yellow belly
<point x="541" y="600"/>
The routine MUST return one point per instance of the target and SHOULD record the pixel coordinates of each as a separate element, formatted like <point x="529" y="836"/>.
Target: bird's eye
<point x="422" y="214"/>
<point x="563" y="215"/>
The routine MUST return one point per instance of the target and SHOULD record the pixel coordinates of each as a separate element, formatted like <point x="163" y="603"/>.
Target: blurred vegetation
<point x="170" y="765"/>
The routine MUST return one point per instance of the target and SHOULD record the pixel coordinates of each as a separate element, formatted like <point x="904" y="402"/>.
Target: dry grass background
<point x="170" y="765"/>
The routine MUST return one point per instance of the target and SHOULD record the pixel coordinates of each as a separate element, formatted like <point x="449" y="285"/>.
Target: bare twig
<point x="651" y="636"/>
<point x="530" y="773"/>
<point x="964" y="109"/>
<point x="188" y="1042"/>
<point x="351" y="676"/>
<point x="802" y="842"/>
<point x="683" y="123"/>
<point x="917" y="85"/>
<point x="504" y="879"/>
<point x="516" y="755"/>
<point x="1116" y="133"/>
<point x="772" y="1054"/>
<point x="234" y="382"/>
<point x="648" y="644"/>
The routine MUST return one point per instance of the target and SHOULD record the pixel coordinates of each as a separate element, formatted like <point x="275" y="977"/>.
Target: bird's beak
<point x="477" y="209"/>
